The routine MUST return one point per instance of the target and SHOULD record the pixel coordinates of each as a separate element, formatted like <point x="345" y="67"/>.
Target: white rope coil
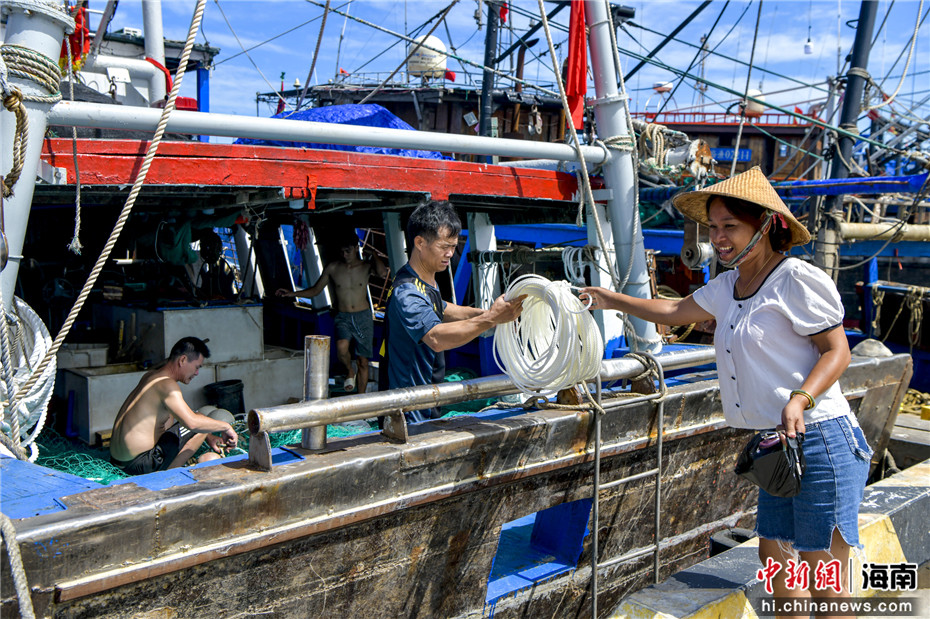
<point x="29" y="341"/>
<point x="555" y="342"/>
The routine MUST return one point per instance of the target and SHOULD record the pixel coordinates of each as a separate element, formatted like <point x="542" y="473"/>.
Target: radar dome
<point x="753" y="109"/>
<point x="425" y="62"/>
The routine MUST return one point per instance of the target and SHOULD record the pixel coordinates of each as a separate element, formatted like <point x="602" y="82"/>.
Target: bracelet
<point x="810" y="399"/>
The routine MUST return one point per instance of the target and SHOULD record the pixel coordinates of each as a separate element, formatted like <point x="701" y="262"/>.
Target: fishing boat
<point x="531" y="507"/>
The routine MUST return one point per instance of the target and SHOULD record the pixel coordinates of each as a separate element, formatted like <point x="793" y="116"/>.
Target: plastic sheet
<point x="368" y="115"/>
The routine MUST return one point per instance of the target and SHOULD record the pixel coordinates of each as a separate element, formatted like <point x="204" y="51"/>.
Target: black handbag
<point x="774" y="462"/>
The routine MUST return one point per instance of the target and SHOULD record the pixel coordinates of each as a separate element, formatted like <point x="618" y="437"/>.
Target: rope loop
<point x="13" y="101"/>
<point x="28" y="64"/>
<point x="859" y="72"/>
<point x="554" y="343"/>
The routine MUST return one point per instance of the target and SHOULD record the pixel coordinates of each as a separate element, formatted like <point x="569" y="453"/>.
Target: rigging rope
<point x="16" y="563"/>
<point x="583" y="169"/>
<point x="907" y="64"/>
<point x="26" y="64"/>
<point x="744" y="103"/>
<point x="415" y="49"/>
<point x="460" y="59"/>
<point x="75" y="245"/>
<point x="555" y="342"/>
<point x="316" y="53"/>
<point x="127" y="208"/>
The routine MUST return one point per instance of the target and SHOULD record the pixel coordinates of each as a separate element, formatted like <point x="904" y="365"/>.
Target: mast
<point x="487" y="81"/>
<point x="619" y="175"/>
<point x="826" y="247"/>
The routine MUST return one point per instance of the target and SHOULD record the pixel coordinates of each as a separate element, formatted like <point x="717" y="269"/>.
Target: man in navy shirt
<point x="420" y="325"/>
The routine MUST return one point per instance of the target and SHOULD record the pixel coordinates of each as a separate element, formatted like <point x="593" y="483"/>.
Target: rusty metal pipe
<point x="316" y="385"/>
<point x="365" y="405"/>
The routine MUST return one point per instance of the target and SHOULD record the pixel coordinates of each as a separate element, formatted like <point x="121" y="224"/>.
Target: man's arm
<point x="453" y="312"/>
<point x="379" y="266"/>
<point x="311" y="292"/>
<point x="448" y="335"/>
<point x="196" y="422"/>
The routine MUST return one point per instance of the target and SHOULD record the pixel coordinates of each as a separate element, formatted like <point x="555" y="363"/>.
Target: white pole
<point x="40" y="27"/>
<point x="82" y="114"/>
<point x="618" y="172"/>
<point x="154" y="44"/>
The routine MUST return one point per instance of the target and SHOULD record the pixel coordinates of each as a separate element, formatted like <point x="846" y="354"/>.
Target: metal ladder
<point x="656" y="472"/>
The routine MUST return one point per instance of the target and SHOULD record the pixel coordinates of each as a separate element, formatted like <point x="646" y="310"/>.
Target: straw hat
<point x="751" y="186"/>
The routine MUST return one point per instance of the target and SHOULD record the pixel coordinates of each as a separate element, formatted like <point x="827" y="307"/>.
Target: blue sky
<point x="782" y="33"/>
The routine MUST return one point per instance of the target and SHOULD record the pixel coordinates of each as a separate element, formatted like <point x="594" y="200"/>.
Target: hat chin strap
<point x="740" y="257"/>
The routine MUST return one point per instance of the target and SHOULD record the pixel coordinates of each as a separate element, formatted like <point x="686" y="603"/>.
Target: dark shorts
<point x="159" y="457"/>
<point x="358" y="326"/>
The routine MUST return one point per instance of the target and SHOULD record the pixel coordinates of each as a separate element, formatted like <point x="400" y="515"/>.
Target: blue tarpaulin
<point x="368" y="115"/>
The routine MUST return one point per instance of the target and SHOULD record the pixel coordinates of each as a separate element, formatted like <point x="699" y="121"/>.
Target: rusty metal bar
<point x="625" y="480"/>
<point x="365" y="405"/>
<point x="316" y="385"/>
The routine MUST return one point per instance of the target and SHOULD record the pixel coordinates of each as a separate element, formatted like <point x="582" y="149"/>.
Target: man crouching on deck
<point x="155" y="428"/>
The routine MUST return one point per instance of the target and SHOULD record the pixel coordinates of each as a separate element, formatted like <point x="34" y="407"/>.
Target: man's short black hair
<point x="429" y="218"/>
<point x="190" y="347"/>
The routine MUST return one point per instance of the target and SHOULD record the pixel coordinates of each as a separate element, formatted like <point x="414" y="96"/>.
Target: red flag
<point x="450" y="75"/>
<point x="280" y="106"/>
<point x="576" y="78"/>
<point x="504" y="10"/>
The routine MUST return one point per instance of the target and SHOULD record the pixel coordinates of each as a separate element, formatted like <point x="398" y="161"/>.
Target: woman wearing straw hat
<point x="780" y="350"/>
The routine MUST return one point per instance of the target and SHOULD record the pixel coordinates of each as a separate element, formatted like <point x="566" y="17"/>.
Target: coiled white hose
<point x="29" y="342"/>
<point x="555" y="342"/>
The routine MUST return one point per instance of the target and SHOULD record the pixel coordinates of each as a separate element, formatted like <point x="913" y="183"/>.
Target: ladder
<point x="654" y="472"/>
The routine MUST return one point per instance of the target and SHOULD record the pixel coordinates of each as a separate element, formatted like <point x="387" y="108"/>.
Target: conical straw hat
<point x="751" y="186"/>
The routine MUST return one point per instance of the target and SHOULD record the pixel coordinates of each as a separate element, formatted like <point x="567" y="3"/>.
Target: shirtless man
<point x="354" y="319"/>
<point x="155" y="428"/>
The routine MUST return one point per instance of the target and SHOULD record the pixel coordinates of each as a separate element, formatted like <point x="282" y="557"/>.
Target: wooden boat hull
<point x="383" y="529"/>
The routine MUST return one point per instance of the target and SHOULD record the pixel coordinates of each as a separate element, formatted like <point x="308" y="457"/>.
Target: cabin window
<point x="538" y="547"/>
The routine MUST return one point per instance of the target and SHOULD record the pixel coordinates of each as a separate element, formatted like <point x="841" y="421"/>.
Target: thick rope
<point x="316" y="54"/>
<point x="14" y="103"/>
<point x="28" y="64"/>
<point x="75" y="245"/>
<point x="130" y="202"/>
<point x="16" y="565"/>
<point x="907" y="64"/>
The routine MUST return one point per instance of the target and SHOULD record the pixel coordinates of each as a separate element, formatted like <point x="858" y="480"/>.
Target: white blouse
<point x="763" y="344"/>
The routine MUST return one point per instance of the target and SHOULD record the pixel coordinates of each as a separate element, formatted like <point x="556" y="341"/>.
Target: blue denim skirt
<point x="837" y="457"/>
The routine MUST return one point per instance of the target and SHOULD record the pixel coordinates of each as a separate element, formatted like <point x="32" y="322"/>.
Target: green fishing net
<point x="58" y="453"/>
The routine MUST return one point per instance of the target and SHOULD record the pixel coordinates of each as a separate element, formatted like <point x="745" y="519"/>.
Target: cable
<point x="555" y="342"/>
<point x="907" y="64"/>
<point x="744" y="103"/>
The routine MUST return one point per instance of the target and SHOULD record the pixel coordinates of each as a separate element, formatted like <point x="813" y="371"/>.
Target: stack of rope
<point x="554" y="344"/>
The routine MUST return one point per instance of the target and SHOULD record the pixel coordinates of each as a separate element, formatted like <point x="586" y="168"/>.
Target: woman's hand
<point x="792" y="417"/>
<point x="596" y="295"/>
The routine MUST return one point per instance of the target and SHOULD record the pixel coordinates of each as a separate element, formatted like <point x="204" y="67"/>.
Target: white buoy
<point x="754" y="109"/>
<point x="426" y="62"/>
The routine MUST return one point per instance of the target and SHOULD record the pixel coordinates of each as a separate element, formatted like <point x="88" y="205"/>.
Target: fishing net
<point x="60" y="454"/>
